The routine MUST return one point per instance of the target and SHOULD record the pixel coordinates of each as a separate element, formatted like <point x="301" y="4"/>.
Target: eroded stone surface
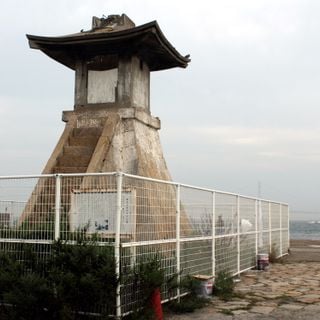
<point x="261" y="309"/>
<point x="292" y="306"/>
<point x="286" y="291"/>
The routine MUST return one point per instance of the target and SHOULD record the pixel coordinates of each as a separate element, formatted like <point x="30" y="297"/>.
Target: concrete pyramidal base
<point x="107" y="140"/>
<point x="111" y="128"/>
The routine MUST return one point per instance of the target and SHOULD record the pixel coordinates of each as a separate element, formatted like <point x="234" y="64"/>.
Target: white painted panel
<point x="140" y="90"/>
<point x="96" y="211"/>
<point x="101" y="86"/>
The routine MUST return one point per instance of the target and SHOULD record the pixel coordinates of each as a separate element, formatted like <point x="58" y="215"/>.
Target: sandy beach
<point x="304" y="251"/>
<point x="290" y="289"/>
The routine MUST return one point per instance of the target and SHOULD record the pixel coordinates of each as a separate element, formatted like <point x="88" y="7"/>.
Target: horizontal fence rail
<point x="191" y="230"/>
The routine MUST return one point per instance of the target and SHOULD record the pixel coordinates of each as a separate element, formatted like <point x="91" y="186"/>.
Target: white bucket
<point x="205" y="285"/>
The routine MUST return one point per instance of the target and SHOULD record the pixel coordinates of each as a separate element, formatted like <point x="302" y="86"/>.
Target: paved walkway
<point x="285" y="291"/>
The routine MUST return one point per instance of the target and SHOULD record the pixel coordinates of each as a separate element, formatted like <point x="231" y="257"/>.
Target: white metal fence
<point x="193" y="230"/>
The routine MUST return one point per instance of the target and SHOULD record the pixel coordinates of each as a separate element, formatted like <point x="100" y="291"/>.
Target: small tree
<point x="224" y="285"/>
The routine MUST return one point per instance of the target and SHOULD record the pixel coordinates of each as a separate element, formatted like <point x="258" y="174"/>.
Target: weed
<point x="224" y="285"/>
<point x="273" y="256"/>
<point x="273" y="253"/>
<point x="284" y="299"/>
<point x="227" y="312"/>
<point x="191" y="301"/>
<point x="187" y="304"/>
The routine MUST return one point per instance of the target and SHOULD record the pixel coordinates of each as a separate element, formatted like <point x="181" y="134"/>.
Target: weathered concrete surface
<point x="127" y="85"/>
<point x="108" y="140"/>
<point x="124" y="139"/>
<point x="111" y="127"/>
<point x="286" y="291"/>
<point x="102" y="86"/>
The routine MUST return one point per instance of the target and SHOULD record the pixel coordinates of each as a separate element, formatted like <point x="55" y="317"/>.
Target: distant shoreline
<point x="304" y="250"/>
<point x="298" y="243"/>
<point x="304" y="230"/>
<point x="305" y="220"/>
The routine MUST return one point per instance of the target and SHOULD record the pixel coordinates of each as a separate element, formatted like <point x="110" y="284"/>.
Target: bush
<point x="143" y="279"/>
<point x="32" y="298"/>
<point x="191" y="301"/>
<point x="83" y="276"/>
<point x="75" y="278"/>
<point x="148" y="276"/>
<point x="187" y="304"/>
<point x="73" y="281"/>
<point x="224" y="285"/>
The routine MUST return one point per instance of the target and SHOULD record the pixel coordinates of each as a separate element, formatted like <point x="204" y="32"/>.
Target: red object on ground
<point x="156" y="304"/>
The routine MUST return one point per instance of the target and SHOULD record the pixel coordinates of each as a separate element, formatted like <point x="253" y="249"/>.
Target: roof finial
<point x="112" y="22"/>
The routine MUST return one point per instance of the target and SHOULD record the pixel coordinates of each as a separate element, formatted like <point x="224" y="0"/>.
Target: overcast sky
<point x="245" y="110"/>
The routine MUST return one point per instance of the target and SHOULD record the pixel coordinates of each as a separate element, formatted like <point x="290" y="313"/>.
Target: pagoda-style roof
<point x="104" y="44"/>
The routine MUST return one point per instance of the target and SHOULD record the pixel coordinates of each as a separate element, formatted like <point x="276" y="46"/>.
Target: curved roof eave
<point x="49" y="44"/>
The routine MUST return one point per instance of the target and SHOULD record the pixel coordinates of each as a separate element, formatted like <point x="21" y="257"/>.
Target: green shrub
<point x="224" y="285"/>
<point x="191" y="301"/>
<point x="149" y="273"/>
<point x="75" y="278"/>
<point x="143" y="279"/>
<point x="32" y="298"/>
<point x="187" y="304"/>
<point x="83" y="276"/>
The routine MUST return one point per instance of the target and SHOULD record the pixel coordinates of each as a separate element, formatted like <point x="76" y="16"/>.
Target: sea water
<point x="305" y="230"/>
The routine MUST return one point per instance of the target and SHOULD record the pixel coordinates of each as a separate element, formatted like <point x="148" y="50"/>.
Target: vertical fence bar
<point x="288" y="226"/>
<point x="270" y="232"/>
<point x="213" y="234"/>
<point x="256" y="226"/>
<point x="280" y="229"/>
<point x="238" y="234"/>
<point x="119" y="177"/>
<point x="57" y="207"/>
<point x="178" y="248"/>
<point x="11" y="206"/>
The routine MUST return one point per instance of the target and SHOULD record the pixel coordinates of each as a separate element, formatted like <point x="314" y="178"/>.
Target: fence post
<point x="288" y="226"/>
<point x="178" y="249"/>
<point x="256" y="226"/>
<point x="11" y="206"/>
<point x="270" y="232"/>
<point x="280" y="230"/>
<point x="119" y="178"/>
<point x="57" y="207"/>
<point x="213" y="234"/>
<point x="238" y="234"/>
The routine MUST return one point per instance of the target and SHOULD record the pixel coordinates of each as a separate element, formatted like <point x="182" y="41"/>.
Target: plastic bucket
<point x="205" y="286"/>
<point x="262" y="261"/>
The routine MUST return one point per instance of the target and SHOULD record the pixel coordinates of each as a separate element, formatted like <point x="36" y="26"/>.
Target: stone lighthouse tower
<point x="111" y="127"/>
